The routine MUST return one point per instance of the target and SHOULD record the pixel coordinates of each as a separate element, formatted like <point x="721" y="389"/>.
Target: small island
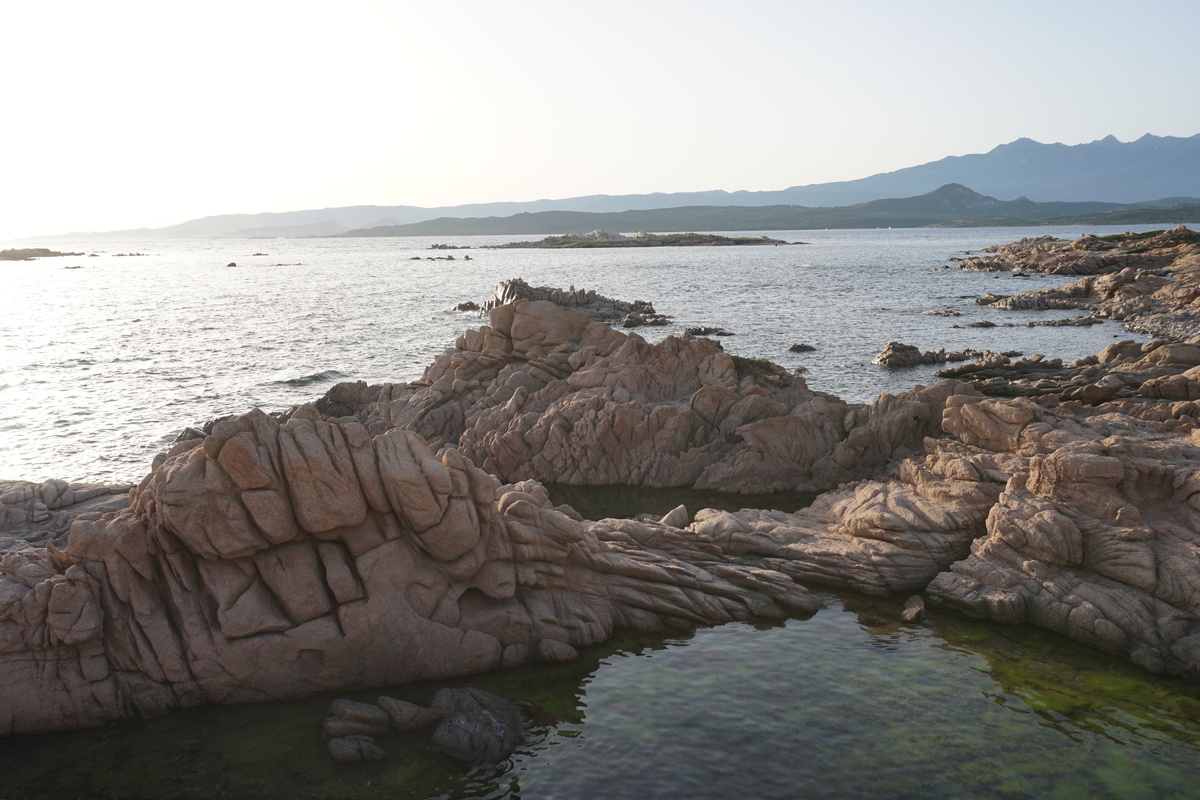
<point x="30" y="253"/>
<point x="606" y="239"/>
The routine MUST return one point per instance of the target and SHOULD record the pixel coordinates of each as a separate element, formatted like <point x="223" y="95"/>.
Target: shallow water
<point x="102" y="366"/>
<point x="852" y="703"/>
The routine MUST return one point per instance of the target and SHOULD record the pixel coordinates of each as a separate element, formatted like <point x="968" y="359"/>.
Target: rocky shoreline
<point x="400" y="532"/>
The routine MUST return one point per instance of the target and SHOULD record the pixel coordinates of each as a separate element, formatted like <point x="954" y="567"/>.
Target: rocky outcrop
<point x="584" y="301"/>
<point x="545" y="394"/>
<point x="400" y="532"/>
<point x="898" y="354"/>
<point x="472" y="725"/>
<point x="1085" y="524"/>
<point x="877" y="537"/>
<point x="1096" y="538"/>
<point x="276" y="559"/>
<point x="477" y="726"/>
<point x="1154" y="287"/>
<point x="37" y="512"/>
<point x="1087" y="255"/>
<point x="1157" y="370"/>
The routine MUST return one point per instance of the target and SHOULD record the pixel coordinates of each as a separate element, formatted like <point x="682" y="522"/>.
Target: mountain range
<point x="1153" y="171"/>
<point x="952" y="205"/>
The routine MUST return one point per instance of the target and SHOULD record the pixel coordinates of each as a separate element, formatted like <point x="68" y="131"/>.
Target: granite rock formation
<point x="583" y="301"/>
<point x="1149" y="283"/>
<point x="1096" y="537"/>
<point x="1087" y="255"/>
<point x="395" y="533"/>
<point x="42" y="511"/>
<point x="274" y="559"/>
<point x="542" y="393"/>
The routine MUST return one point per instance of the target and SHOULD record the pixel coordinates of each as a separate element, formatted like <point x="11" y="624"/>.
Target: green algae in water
<point x="852" y="703"/>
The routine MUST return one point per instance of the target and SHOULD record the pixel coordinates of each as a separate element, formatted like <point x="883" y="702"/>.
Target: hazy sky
<point x="125" y="114"/>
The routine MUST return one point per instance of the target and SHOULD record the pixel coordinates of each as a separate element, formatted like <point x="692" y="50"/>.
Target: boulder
<point x="275" y="559"/>
<point x="477" y="726"/>
<point x="405" y="716"/>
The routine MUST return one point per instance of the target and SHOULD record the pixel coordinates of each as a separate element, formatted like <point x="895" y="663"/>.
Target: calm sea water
<point x="851" y="704"/>
<point x="102" y="365"/>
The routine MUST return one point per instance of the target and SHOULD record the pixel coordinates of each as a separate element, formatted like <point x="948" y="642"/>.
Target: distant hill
<point x="950" y="205"/>
<point x="1105" y="170"/>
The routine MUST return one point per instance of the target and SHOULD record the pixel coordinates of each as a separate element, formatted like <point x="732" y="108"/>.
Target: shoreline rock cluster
<point x="401" y="532"/>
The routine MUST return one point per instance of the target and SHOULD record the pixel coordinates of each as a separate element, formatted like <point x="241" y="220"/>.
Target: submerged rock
<point x="405" y="716"/>
<point x="476" y="725"/>
<point x="355" y="748"/>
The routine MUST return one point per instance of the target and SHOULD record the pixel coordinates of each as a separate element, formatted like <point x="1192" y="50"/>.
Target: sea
<point x="106" y="356"/>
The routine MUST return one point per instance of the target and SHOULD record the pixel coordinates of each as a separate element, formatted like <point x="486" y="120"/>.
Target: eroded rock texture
<point x="543" y="393"/>
<point x="1087" y="255"/>
<point x="1151" y="284"/>
<point x="1098" y="538"/>
<point x="272" y="559"/>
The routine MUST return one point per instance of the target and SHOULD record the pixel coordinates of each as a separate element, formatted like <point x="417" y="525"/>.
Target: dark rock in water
<point x="355" y="748"/>
<point x="898" y="354"/>
<point x="1082" y="321"/>
<point x="914" y="609"/>
<point x="407" y="716"/>
<point x="338" y="727"/>
<point x="983" y="323"/>
<point x="705" y="330"/>
<point x="470" y="305"/>
<point x="479" y="726"/>
<point x="351" y="719"/>
<point x="359" y="712"/>
<point x="945" y="312"/>
<point x="801" y="348"/>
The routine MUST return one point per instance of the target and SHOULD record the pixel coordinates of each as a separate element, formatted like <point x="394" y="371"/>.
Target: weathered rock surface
<point x="476" y="725"/>
<point x="1152" y="285"/>
<point x="1085" y="524"/>
<point x="877" y="537"/>
<point x="1159" y="369"/>
<point x="898" y="354"/>
<point x="1096" y="538"/>
<point x="273" y="560"/>
<point x="1087" y="255"/>
<point x="583" y="301"/>
<point x="39" y="511"/>
<point x="405" y="716"/>
<point x="332" y="547"/>
<point x="545" y="394"/>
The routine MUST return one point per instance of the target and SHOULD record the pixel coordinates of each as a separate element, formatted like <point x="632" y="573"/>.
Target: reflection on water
<point x="852" y="703"/>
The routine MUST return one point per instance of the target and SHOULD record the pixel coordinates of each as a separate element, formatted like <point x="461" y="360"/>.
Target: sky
<point x="126" y="114"/>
